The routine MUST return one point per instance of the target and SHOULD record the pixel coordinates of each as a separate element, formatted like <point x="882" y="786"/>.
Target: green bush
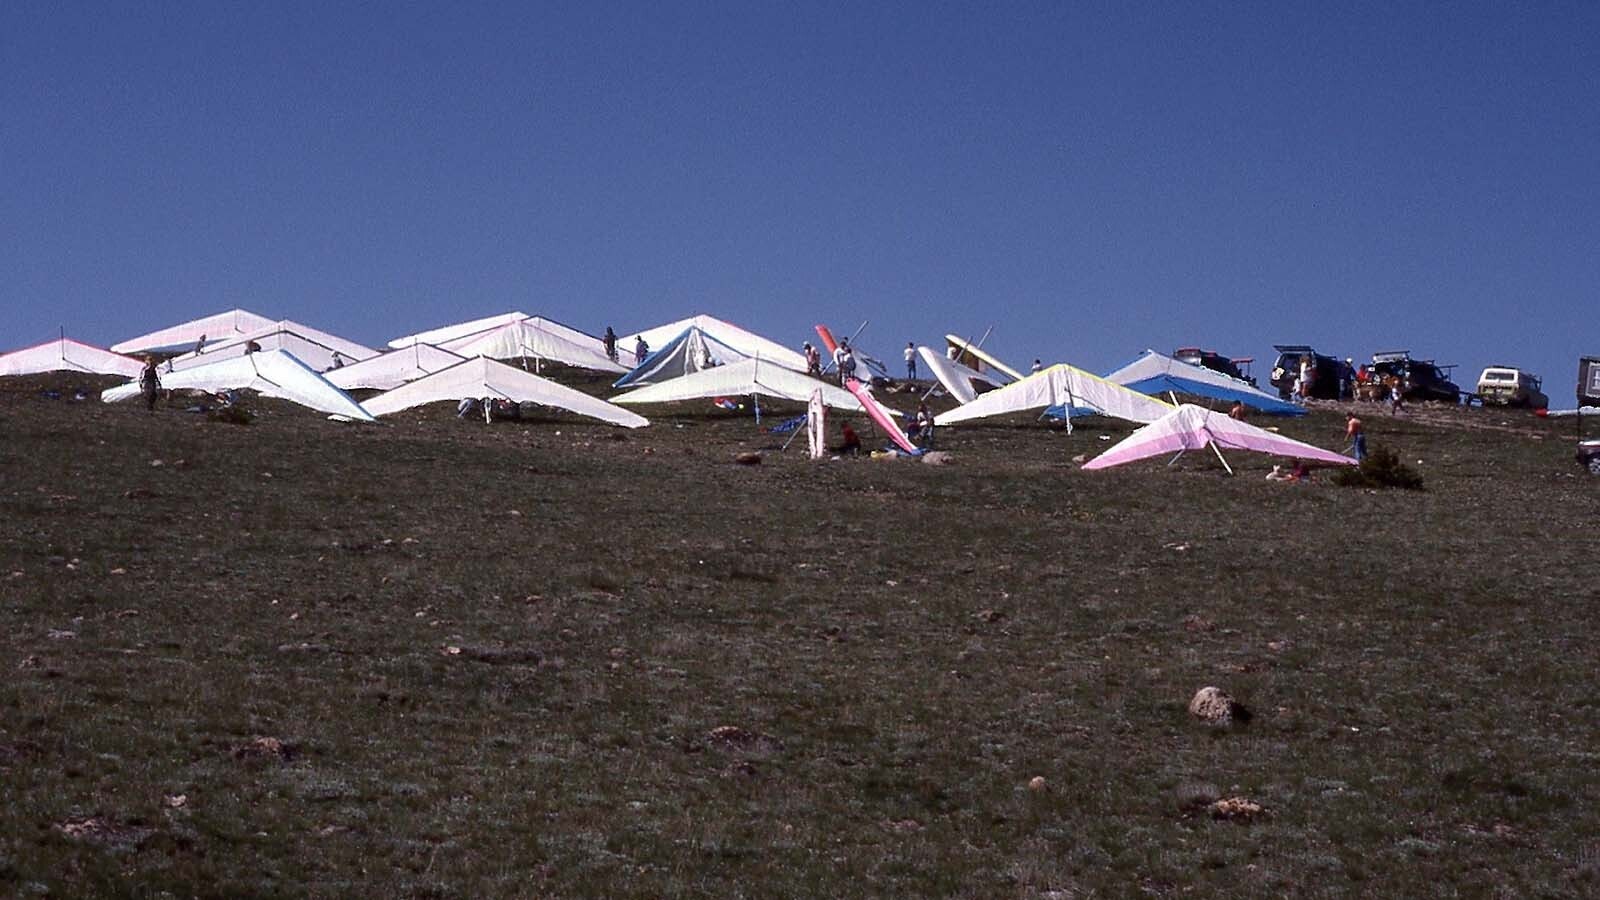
<point x="1381" y="469"/>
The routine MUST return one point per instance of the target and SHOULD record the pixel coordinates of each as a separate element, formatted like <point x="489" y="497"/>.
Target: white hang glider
<point x="271" y="373"/>
<point x="1063" y="387"/>
<point x="184" y="336"/>
<point x="317" y="349"/>
<point x="482" y="377"/>
<point x="746" y="343"/>
<point x="537" y="339"/>
<point x="756" y="377"/>
<point x="959" y="381"/>
<point x="392" y="369"/>
<point x="67" y="355"/>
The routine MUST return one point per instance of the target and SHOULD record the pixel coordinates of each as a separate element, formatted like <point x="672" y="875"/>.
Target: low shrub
<point x="1381" y="469"/>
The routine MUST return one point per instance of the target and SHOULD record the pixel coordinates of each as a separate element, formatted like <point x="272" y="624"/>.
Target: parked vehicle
<point x="1417" y="379"/>
<point x="1233" y="367"/>
<point x="1510" y="386"/>
<point x="1326" y="371"/>
<point x="1589" y="381"/>
<point x="1589" y="456"/>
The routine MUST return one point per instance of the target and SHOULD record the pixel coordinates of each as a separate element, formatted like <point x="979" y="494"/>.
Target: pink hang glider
<point x="1192" y="427"/>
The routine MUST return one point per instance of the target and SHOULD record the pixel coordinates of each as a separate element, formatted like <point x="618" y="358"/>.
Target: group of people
<point x="641" y="348"/>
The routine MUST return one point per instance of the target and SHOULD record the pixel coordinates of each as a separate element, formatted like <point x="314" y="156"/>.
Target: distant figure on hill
<point x="150" y="383"/>
<point x="1038" y="366"/>
<point x="1397" y="400"/>
<point x="924" y="425"/>
<point x="911" y="361"/>
<point x="844" y="359"/>
<point x="1357" y="436"/>
<point x="813" y="360"/>
<point x="611" y="344"/>
<point x="640" y="350"/>
<point x="338" y="361"/>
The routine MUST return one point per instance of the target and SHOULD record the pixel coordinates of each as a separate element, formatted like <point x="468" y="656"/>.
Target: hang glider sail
<point x="1156" y="374"/>
<point x="483" y="377"/>
<point x="1064" y="386"/>
<point x="959" y="381"/>
<point x="689" y="352"/>
<point x="975" y="357"/>
<point x="271" y="373"/>
<point x="67" y="355"/>
<point x="392" y="369"/>
<point x="183" y="337"/>
<point x="316" y="348"/>
<point x="746" y="343"/>
<point x="537" y="339"/>
<point x="446" y="333"/>
<point x="752" y="376"/>
<point x="1191" y="427"/>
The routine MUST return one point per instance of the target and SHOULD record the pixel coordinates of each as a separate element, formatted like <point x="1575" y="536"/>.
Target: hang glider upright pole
<point x="1220" y="458"/>
<point x="794" y="434"/>
<point x="986" y="332"/>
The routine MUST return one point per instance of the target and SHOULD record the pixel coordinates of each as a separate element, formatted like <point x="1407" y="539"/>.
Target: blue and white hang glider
<point x="1157" y="374"/>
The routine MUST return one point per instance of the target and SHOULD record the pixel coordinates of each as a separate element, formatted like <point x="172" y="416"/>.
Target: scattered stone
<point x="734" y="738"/>
<point x="95" y="829"/>
<point x="175" y="801"/>
<point x="989" y="615"/>
<point x="742" y="768"/>
<point x="60" y="634"/>
<point x="936" y="458"/>
<point x="1036" y="784"/>
<point x="1236" y="809"/>
<point x="748" y="458"/>
<point x="157" y="463"/>
<point x="903" y="826"/>
<point x="1195" y="623"/>
<point x="261" y="748"/>
<point x="1214" y="706"/>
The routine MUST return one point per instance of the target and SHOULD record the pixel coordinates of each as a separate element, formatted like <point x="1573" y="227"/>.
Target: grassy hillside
<point x="438" y="658"/>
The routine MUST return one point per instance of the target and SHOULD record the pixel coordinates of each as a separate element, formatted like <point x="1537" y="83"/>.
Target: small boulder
<point x="748" y="458"/>
<point x="1215" y="706"/>
<point x="1236" y="809"/>
<point x="936" y="458"/>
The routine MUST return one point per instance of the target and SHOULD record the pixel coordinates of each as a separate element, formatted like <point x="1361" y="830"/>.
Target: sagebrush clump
<point x="1381" y="469"/>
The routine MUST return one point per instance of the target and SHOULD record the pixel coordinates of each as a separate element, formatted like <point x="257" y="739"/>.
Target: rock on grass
<point x="1215" y="706"/>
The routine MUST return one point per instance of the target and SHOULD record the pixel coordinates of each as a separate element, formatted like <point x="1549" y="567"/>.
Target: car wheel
<point x="1594" y="465"/>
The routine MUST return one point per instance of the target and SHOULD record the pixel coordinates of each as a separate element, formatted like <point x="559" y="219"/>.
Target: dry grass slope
<point x="432" y="658"/>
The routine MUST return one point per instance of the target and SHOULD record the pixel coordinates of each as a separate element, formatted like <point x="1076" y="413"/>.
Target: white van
<point x="1510" y="386"/>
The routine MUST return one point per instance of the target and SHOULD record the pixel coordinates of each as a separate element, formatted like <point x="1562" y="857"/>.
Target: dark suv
<point x="1418" y="379"/>
<point x="1327" y="372"/>
<point x="1216" y="362"/>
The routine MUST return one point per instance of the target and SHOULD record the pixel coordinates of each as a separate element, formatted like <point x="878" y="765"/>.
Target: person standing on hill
<point x="1357" y="436"/>
<point x="813" y="360"/>
<point x="640" y="350"/>
<point x="1237" y="410"/>
<point x="844" y="359"/>
<point x="911" y="361"/>
<point x="150" y="383"/>
<point x="610" y="341"/>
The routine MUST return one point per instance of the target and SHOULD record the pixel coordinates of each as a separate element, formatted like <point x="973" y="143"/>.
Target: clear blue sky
<point x="1088" y="178"/>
